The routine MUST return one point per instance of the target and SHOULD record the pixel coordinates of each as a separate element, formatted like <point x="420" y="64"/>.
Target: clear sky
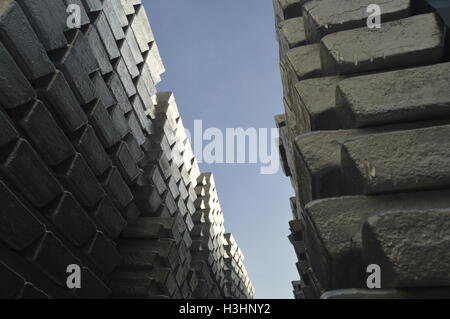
<point x="221" y="59"/>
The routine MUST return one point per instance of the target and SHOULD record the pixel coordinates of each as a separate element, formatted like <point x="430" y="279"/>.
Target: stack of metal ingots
<point x="365" y="140"/>
<point x="98" y="182"/>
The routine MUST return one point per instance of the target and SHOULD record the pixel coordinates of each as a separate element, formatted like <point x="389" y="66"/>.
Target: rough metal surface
<point x="412" y="248"/>
<point x="291" y="34"/>
<point x="399" y="96"/>
<point x="397" y="161"/>
<point x="304" y="62"/>
<point x="424" y="293"/>
<point x="319" y="169"/>
<point x="326" y="17"/>
<point x="406" y="42"/>
<point x="315" y="103"/>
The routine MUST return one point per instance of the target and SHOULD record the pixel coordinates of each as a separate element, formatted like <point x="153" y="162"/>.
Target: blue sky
<point x="221" y="59"/>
